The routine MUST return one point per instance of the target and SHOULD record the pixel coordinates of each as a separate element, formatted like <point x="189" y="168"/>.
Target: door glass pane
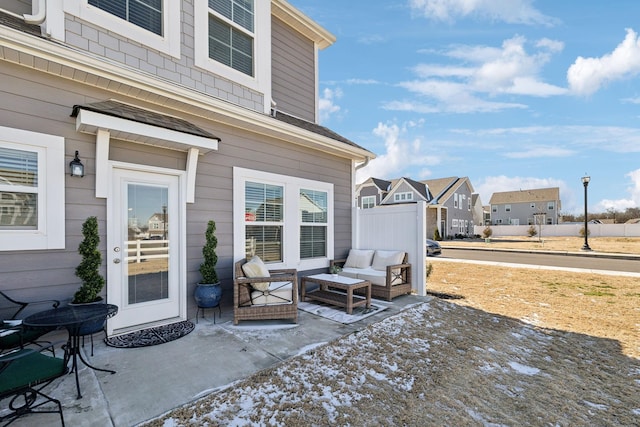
<point x="147" y="243"/>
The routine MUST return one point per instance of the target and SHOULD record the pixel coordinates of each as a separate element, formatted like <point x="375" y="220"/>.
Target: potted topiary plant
<point x="89" y="268"/>
<point x="89" y="272"/>
<point x="208" y="291"/>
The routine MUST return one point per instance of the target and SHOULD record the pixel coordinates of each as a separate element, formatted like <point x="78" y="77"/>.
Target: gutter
<point x="39" y="17"/>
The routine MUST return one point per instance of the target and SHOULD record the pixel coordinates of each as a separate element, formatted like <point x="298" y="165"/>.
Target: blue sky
<point x="514" y="94"/>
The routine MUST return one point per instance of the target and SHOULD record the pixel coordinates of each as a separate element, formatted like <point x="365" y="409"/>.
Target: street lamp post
<point x="585" y="182"/>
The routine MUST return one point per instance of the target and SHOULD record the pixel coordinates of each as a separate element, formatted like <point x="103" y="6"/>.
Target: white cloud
<point x="622" y="204"/>
<point x="327" y="105"/>
<point x="540" y="151"/>
<point x="587" y="75"/>
<point x="510" y="11"/>
<point x="400" y="154"/>
<point x="487" y="71"/>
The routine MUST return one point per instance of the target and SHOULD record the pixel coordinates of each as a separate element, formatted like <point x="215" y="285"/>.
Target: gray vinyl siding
<point x="293" y="72"/>
<point x="403" y="188"/>
<point x="108" y="44"/>
<point x="42" y="103"/>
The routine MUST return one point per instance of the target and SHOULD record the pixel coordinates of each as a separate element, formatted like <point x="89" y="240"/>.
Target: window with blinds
<point x="18" y="189"/>
<point x="313" y="217"/>
<point x="264" y="220"/>
<point x="146" y="14"/>
<point x="231" y="34"/>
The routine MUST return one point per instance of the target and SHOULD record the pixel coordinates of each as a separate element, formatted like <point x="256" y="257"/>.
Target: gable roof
<point x="315" y="128"/>
<point x="443" y="188"/>
<point x="523" y="196"/>
<point x="417" y="186"/>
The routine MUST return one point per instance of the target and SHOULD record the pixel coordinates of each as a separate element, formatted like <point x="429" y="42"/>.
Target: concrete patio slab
<point x="153" y="380"/>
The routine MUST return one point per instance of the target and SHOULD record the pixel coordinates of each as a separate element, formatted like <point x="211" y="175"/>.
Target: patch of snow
<point x="600" y="406"/>
<point x="524" y="369"/>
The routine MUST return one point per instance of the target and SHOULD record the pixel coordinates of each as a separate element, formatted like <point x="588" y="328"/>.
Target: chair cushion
<point x="382" y="259"/>
<point x="256" y="268"/>
<point x="277" y="293"/>
<point x="32" y="369"/>
<point x="359" y="258"/>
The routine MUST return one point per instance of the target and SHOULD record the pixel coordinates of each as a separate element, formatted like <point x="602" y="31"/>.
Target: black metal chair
<point x="23" y="374"/>
<point x="12" y="334"/>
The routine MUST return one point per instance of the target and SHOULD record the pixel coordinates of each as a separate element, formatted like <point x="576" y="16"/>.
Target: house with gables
<point x="450" y="201"/>
<point x="169" y="114"/>
<point x="526" y="207"/>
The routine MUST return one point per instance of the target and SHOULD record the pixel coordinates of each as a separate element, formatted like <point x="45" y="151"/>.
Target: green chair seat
<point x="29" y="370"/>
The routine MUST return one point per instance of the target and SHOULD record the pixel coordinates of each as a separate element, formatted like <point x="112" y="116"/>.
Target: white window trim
<point x="369" y="199"/>
<point x="50" y="233"/>
<point x="291" y="215"/>
<point x="168" y="43"/>
<point x="261" y="81"/>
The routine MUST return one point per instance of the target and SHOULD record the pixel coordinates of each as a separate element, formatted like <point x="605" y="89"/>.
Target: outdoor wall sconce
<point x="76" y="166"/>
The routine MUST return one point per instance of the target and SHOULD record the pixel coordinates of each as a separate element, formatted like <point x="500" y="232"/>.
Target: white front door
<point x="144" y="249"/>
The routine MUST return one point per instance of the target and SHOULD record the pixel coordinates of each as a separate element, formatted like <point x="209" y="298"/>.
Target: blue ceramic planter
<point x="207" y="295"/>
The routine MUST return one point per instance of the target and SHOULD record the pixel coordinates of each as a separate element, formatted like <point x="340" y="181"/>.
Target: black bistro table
<point x="72" y="318"/>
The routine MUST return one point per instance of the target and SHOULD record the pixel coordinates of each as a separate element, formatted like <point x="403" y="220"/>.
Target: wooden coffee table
<point x="327" y="291"/>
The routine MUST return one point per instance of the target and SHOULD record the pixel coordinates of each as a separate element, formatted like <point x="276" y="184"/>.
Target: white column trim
<point x="103" y="138"/>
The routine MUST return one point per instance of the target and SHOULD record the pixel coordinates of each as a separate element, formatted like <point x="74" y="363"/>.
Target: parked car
<point x="433" y="248"/>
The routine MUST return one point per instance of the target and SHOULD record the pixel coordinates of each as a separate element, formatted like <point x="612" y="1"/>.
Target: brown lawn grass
<point x="605" y="306"/>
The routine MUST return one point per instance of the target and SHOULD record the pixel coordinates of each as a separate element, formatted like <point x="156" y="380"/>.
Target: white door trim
<point x="182" y="261"/>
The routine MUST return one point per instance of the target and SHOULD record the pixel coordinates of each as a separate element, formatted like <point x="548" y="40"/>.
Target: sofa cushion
<point x="256" y="268"/>
<point x="350" y="272"/>
<point x="276" y="293"/>
<point x="382" y="259"/>
<point x="359" y="258"/>
<point x="376" y="277"/>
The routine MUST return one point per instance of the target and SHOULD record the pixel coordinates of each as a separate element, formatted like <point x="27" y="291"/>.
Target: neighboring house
<point x="526" y="207"/>
<point x="451" y="208"/>
<point x="192" y="111"/>
<point x="449" y="201"/>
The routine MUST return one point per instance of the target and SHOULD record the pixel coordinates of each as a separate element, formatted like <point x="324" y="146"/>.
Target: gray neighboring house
<point x="450" y="201"/>
<point x="526" y="207"/>
<point x="168" y="115"/>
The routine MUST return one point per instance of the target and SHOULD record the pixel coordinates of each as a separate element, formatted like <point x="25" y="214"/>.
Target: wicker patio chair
<point x="249" y="303"/>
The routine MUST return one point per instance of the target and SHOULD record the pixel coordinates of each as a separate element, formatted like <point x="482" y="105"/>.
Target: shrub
<point x="208" y="266"/>
<point x="582" y="231"/>
<point x="487" y="232"/>
<point x="532" y="231"/>
<point x="436" y="235"/>
<point x="89" y="268"/>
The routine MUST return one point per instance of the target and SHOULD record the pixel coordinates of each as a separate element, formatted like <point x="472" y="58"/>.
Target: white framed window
<point x="232" y="39"/>
<point x="285" y="220"/>
<point x="551" y="206"/>
<point x="153" y="23"/>
<point x="469" y="204"/>
<point x="403" y="197"/>
<point x="455" y="200"/>
<point x="494" y="208"/>
<point x="533" y="205"/>
<point x="32" y="174"/>
<point x="313" y="223"/>
<point x="507" y="208"/>
<point x="368" y="202"/>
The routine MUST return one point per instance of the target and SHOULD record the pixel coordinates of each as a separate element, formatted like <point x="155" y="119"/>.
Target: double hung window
<point x="146" y="14"/>
<point x="31" y="190"/>
<point x="368" y="202"/>
<point x="231" y="34"/>
<point x="286" y="221"/>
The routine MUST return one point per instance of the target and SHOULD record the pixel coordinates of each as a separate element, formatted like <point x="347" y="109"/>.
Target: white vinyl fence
<point x="396" y="227"/>
<point x="573" y="229"/>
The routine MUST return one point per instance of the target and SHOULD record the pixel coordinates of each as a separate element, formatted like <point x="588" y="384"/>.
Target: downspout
<point x="363" y="164"/>
<point x="39" y="17"/>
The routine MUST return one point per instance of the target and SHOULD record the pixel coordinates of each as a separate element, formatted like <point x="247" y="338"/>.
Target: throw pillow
<point x="384" y="258"/>
<point x="359" y="258"/>
<point x="256" y="268"/>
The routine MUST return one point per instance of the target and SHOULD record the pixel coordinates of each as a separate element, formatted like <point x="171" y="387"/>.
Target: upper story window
<point x="455" y="200"/>
<point x="507" y="208"/>
<point x="232" y="39"/>
<point x="494" y="208"/>
<point x="551" y="206"/>
<point x="469" y="204"/>
<point x="154" y="24"/>
<point x="146" y="14"/>
<point x="31" y="190"/>
<point x="403" y="197"/>
<point x="368" y="202"/>
<point x="231" y="33"/>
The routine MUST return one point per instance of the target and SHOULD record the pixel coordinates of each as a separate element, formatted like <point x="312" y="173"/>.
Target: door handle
<point x="116" y="260"/>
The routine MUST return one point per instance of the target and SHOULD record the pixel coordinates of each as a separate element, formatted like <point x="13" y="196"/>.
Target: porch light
<point x="76" y="167"/>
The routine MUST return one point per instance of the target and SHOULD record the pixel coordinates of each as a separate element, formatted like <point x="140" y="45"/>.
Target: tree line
<point x="618" y="217"/>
